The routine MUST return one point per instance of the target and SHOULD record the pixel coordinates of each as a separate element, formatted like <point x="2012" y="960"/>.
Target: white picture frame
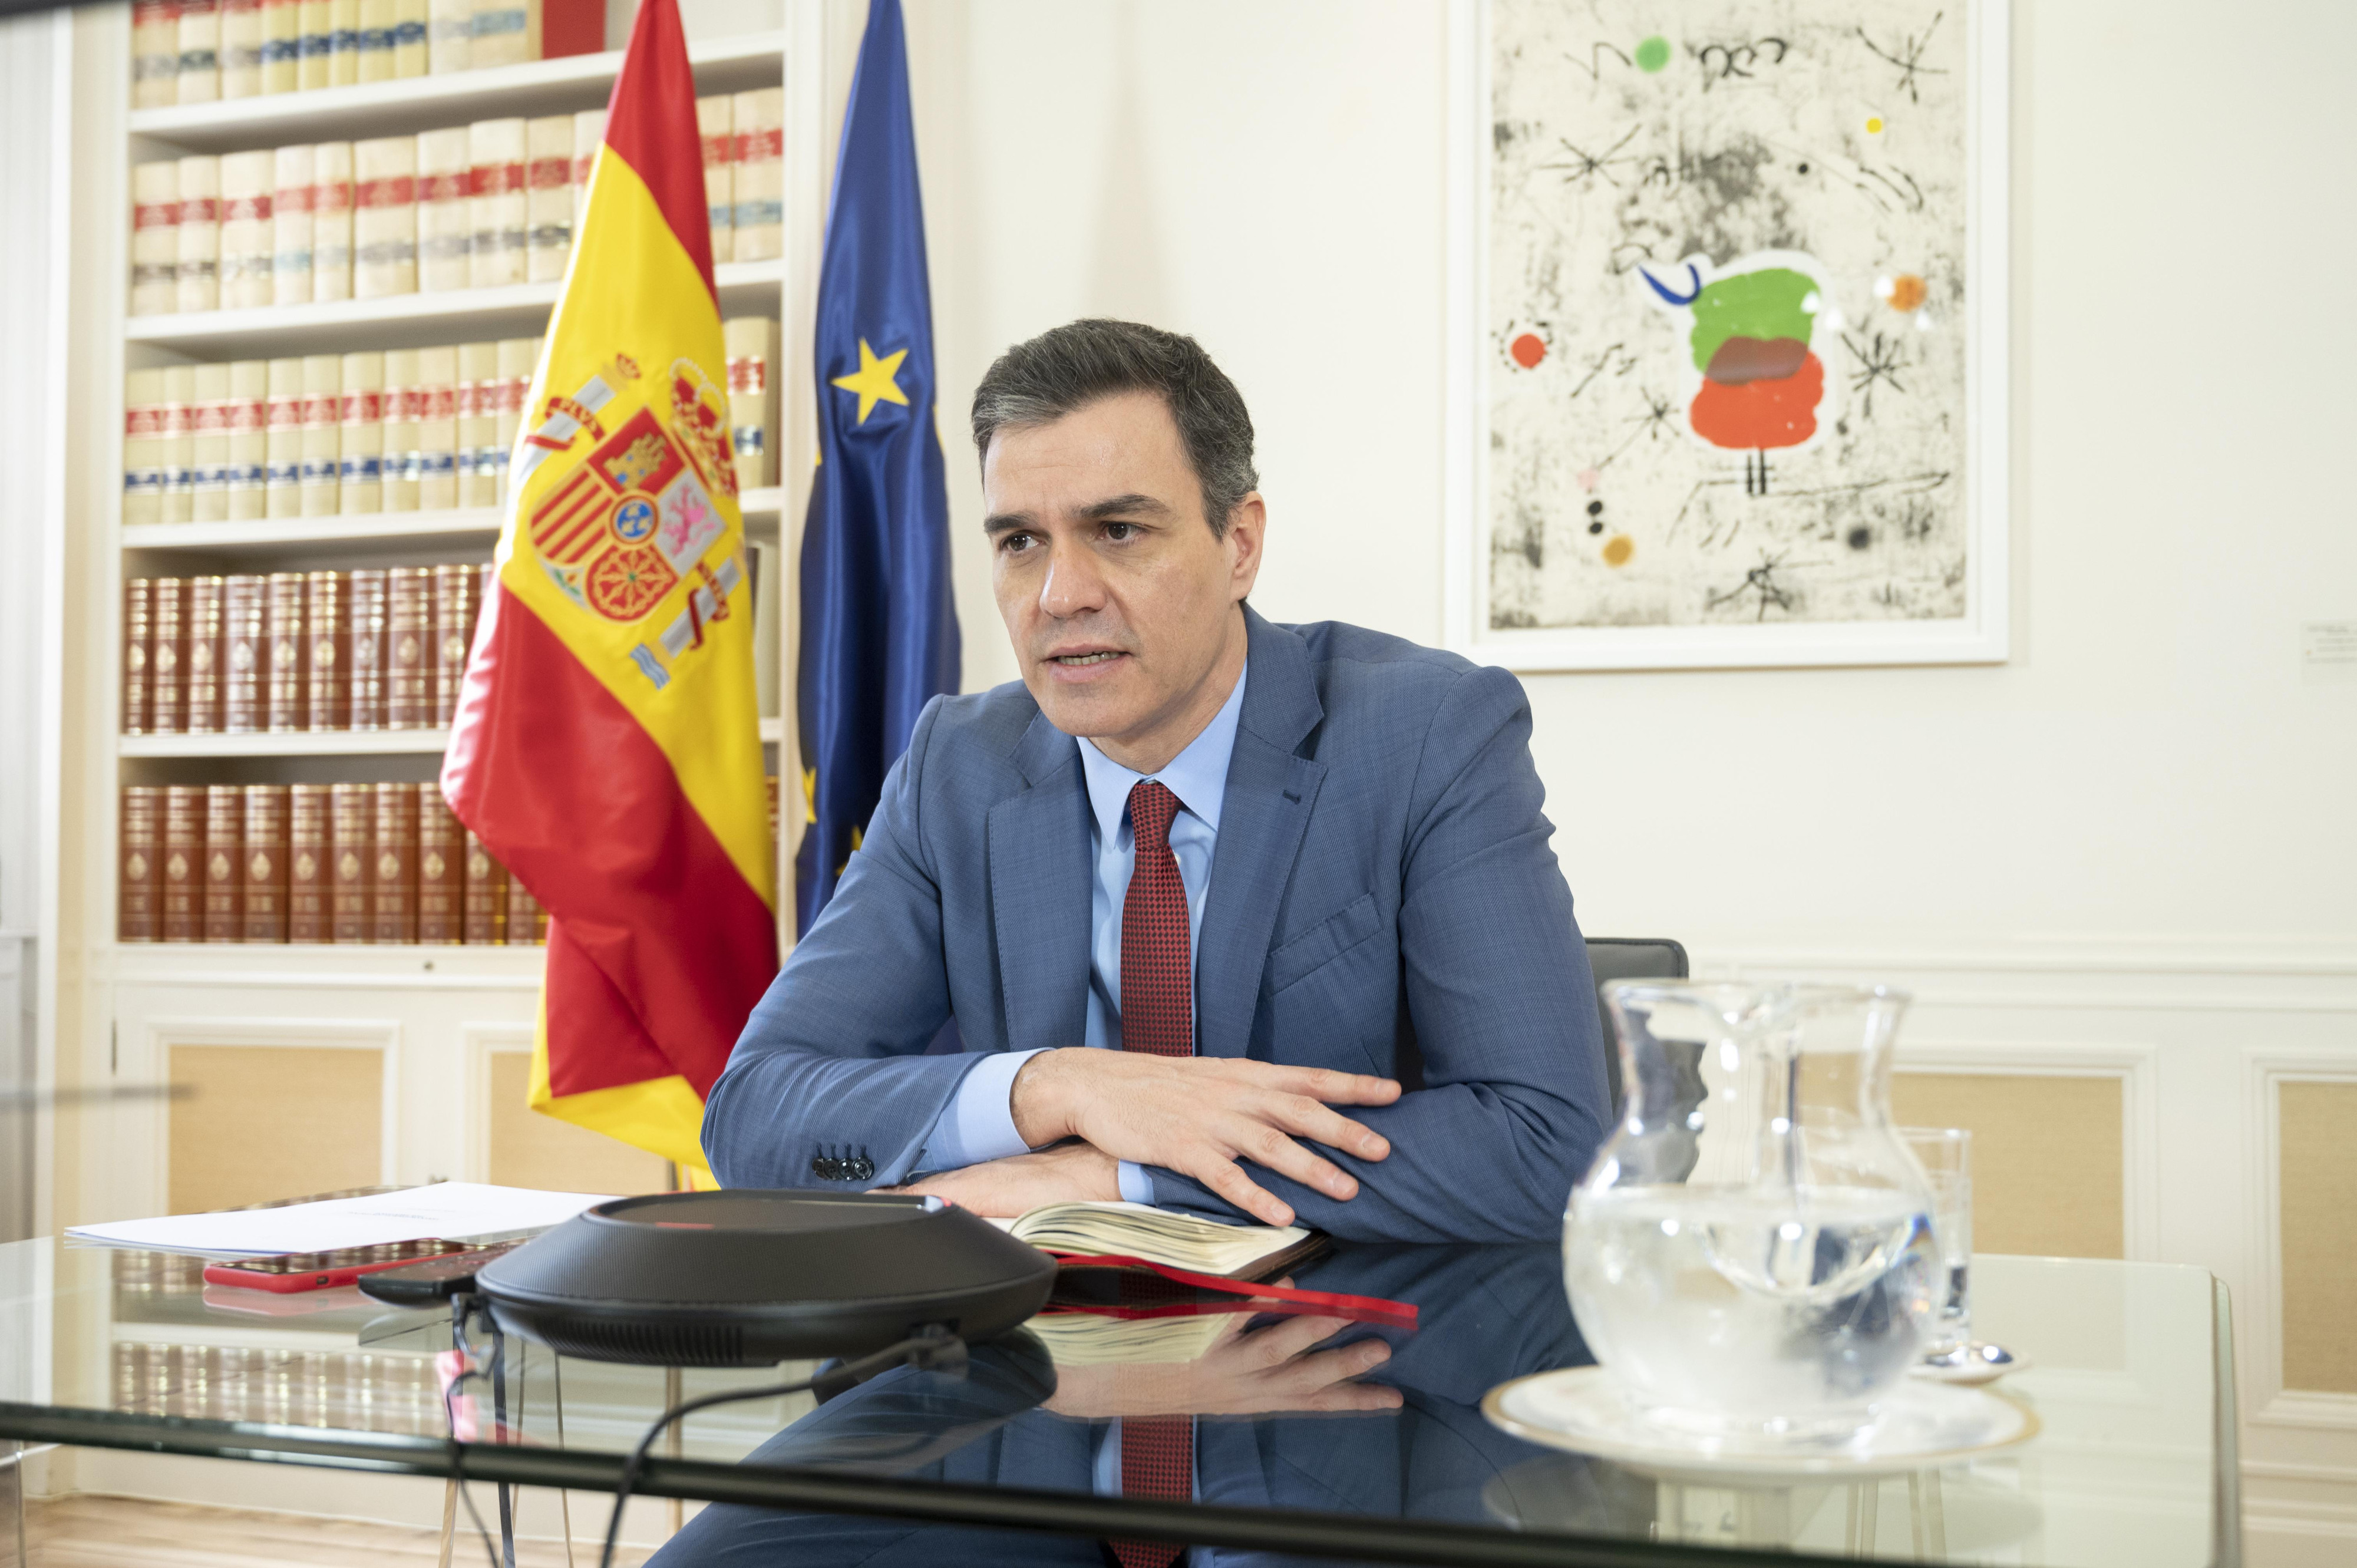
<point x="1981" y="635"/>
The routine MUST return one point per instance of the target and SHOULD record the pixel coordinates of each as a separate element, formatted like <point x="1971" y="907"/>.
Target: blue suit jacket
<point x="1383" y="900"/>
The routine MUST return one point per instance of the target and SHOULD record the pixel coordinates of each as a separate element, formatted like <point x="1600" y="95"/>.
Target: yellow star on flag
<point x="873" y="380"/>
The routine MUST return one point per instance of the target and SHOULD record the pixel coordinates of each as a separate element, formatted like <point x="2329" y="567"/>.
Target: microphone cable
<point x="931" y="1348"/>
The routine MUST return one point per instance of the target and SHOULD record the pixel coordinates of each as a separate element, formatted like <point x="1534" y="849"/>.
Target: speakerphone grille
<point x="671" y="1345"/>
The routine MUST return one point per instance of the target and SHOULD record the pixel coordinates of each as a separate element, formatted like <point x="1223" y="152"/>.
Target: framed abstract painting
<point x="1727" y="333"/>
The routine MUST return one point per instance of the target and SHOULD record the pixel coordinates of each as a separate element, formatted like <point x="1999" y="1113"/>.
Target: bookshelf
<point x="439" y="1025"/>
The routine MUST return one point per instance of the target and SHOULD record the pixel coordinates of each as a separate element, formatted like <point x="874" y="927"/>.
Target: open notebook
<point x="1174" y="1241"/>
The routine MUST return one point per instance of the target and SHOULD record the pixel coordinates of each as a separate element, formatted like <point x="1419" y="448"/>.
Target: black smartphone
<point x="435" y="1279"/>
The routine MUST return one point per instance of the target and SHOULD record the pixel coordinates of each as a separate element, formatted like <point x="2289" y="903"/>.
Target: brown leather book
<point x="265" y="863"/>
<point x="393" y="891"/>
<point x="441" y="869"/>
<point x="527" y="921"/>
<point x="457" y="598"/>
<point x="285" y="684"/>
<point x="310" y="916"/>
<point x="182" y="918"/>
<point x="203" y="659"/>
<point x="365" y="606"/>
<point x="224" y="863"/>
<point x="409" y="647"/>
<point x="138" y="643"/>
<point x="247" y="652"/>
<point x="486" y="896"/>
<point x="167" y="681"/>
<point x="139" y="908"/>
<point x="327" y="674"/>
<point x="351" y="860"/>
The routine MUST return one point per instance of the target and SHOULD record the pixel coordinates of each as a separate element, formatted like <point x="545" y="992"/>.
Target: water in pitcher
<point x="1742" y="1310"/>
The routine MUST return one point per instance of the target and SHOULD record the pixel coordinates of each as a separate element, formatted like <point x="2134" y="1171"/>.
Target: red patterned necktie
<point x="1157" y="1016"/>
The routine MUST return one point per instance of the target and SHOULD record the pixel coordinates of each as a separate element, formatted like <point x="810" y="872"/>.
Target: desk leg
<point x="12" y="1505"/>
<point x="449" y="1520"/>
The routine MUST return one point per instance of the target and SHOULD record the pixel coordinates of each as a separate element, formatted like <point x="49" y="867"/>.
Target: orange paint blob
<point x="1528" y="349"/>
<point x="1757" y="416"/>
<point x="1908" y="292"/>
<point x="1618" y="549"/>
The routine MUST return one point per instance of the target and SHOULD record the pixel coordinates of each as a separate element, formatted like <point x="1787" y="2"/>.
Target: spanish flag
<point x="606" y="745"/>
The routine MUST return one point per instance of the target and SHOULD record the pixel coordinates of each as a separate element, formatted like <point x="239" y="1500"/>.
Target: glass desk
<point x="2135" y="1462"/>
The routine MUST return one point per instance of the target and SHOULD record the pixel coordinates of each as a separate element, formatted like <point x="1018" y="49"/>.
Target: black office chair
<point x="1628" y="958"/>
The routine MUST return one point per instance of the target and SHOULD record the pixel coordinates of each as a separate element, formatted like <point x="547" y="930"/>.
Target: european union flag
<point x="879" y="635"/>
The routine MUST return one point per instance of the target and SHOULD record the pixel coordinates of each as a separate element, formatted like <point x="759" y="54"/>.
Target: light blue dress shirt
<point x="978" y="1124"/>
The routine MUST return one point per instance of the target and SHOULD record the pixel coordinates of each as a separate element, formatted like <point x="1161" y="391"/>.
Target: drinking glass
<point x="1946" y="1155"/>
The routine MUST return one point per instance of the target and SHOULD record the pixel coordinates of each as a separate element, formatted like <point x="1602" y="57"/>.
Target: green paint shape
<point x="1653" y="53"/>
<point x="1765" y="304"/>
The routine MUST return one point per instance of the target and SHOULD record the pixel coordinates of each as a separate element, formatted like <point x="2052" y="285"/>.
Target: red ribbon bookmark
<point x="1360" y="1308"/>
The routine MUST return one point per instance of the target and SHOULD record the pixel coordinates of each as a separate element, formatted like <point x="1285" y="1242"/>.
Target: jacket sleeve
<point x="1495" y="981"/>
<point x="829" y="1085"/>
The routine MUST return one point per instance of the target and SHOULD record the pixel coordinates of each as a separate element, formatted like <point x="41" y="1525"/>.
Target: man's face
<point x="1120" y="601"/>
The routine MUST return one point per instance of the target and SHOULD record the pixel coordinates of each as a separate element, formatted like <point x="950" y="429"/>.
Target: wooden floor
<point x="126" y="1533"/>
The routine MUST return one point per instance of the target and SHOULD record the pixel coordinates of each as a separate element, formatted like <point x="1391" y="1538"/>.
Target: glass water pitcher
<point x="1752" y="1253"/>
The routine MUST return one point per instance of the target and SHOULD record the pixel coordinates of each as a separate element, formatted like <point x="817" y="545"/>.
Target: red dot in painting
<point x="1528" y="349"/>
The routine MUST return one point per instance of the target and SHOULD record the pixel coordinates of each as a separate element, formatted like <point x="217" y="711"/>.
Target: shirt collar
<point x="1198" y="776"/>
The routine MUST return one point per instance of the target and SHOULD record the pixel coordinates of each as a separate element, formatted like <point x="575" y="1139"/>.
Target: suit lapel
<point x="1262" y="820"/>
<point x="1039" y="894"/>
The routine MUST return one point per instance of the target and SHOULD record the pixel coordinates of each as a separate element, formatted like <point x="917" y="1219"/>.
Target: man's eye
<point x="1120" y="532"/>
<point x="1014" y="544"/>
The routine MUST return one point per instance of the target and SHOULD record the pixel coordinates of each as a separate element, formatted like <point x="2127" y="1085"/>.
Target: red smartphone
<point x="324" y="1271"/>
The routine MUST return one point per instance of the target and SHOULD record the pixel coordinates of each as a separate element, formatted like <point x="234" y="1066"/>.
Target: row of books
<point x="475" y="205"/>
<point x="401" y="430"/>
<point x="355" y="1390"/>
<point x="312" y="863"/>
<point x="195" y="52"/>
<point x="376" y="649"/>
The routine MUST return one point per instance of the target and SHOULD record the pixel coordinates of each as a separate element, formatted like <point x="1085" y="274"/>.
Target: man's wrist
<point x="1037" y="1103"/>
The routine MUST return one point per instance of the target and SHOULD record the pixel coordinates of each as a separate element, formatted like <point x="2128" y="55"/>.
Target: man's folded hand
<point x="1200" y="1115"/>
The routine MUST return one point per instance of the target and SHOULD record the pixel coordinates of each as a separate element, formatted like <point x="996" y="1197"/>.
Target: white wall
<point x="2149" y="766"/>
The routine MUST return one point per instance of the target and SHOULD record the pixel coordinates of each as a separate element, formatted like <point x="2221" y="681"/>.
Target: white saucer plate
<point x="1922" y="1426"/>
<point x="1972" y="1374"/>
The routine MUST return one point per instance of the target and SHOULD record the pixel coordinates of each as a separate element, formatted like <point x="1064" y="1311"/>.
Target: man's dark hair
<point x="1040" y="382"/>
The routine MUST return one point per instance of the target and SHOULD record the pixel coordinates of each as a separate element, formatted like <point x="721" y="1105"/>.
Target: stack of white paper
<point x="452" y="1210"/>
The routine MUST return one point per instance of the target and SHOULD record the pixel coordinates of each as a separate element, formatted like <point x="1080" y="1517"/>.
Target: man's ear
<point x="1247" y="535"/>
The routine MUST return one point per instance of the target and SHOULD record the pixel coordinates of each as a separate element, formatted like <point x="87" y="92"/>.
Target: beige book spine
<point x="588" y="135"/>
<point x="343" y="42"/>
<point x="751" y="344"/>
<point x="449" y="36"/>
<point x="248" y="439"/>
<point x="155" y="237"/>
<point x="180" y="444"/>
<point x="248" y="241"/>
<point x="142" y="448"/>
<point x="477" y="407"/>
<point x="548" y="202"/>
<point x="323" y="376"/>
<point x="240" y="48"/>
<point x="760" y="121"/>
<point x="437" y="429"/>
<point x="408" y="38"/>
<point x="518" y="357"/>
<point x="154" y="53"/>
<point x="199" y="79"/>
<point x="501" y="203"/>
<point x="507" y="32"/>
<point x="314" y="29"/>
<point x="291" y="197"/>
<point x="401" y="430"/>
<point x="719" y="146"/>
<point x="282" y="440"/>
<point x="445" y="220"/>
<point x="359" y="442"/>
<point x="331" y="220"/>
<point x="282" y="45"/>
<point x="384" y="217"/>
<point x="196" y="273"/>
<point x="209" y="449"/>
<point x="376" y="24"/>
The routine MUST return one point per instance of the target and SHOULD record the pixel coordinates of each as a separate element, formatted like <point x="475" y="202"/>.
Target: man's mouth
<point x="1072" y="661"/>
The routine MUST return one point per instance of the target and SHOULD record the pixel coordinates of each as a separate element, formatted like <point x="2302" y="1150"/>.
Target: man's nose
<point x="1074" y="586"/>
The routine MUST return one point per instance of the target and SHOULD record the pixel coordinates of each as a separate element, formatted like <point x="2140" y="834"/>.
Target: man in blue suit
<point x="1313" y="858"/>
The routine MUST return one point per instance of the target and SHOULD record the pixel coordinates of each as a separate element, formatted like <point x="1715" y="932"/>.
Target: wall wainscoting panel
<point x="515" y="1145"/>
<point x="2235" y="1065"/>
